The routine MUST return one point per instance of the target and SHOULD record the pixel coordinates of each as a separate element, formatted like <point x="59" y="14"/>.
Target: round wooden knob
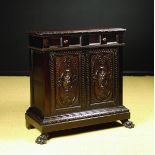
<point x="104" y="39"/>
<point x="66" y="41"/>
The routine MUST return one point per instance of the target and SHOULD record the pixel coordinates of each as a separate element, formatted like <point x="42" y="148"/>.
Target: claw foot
<point x="42" y="139"/>
<point x="128" y="124"/>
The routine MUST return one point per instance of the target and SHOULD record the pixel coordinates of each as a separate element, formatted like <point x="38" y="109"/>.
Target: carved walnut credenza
<point x="75" y="80"/>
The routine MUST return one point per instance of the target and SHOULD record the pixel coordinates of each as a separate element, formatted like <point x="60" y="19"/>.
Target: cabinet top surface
<point x="84" y="31"/>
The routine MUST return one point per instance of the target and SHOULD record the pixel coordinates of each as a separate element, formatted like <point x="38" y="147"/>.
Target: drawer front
<point x="67" y="77"/>
<point x="102" y="82"/>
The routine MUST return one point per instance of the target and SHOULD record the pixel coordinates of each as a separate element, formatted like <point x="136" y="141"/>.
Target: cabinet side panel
<point x="37" y="93"/>
<point x="120" y="75"/>
<point x="46" y="82"/>
<point x="52" y="82"/>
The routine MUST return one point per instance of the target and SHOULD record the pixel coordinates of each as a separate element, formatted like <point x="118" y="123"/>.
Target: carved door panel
<point x="68" y="79"/>
<point x="101" y="77"/>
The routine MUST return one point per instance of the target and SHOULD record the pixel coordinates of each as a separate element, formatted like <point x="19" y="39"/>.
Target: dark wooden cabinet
<point x="75" y="80"/>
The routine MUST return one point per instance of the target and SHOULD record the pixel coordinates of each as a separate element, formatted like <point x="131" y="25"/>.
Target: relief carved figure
<point x="67" y="81"/>
<point x="101" y="82"/>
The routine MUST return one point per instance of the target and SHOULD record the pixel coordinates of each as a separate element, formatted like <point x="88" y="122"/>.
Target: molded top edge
<point x="61" y="32"/>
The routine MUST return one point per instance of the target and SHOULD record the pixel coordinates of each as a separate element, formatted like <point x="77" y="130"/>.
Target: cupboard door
<point x="68" y="82"/>
<point x="101" y="77"/>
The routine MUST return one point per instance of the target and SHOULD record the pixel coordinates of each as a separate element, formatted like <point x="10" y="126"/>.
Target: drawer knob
<point x="65" y="41"/>
<point x="104" y="40"/>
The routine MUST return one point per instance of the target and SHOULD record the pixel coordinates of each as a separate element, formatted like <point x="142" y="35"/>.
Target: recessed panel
<point x="67" y="81"/>
<point x="101" y="77"/>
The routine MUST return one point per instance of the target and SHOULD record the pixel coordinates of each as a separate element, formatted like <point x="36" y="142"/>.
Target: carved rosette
<point x="67" y="81"/>
<point x="101" y="77"/>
